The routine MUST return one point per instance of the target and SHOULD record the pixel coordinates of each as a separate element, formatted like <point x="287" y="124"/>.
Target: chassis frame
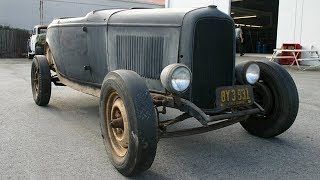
<point x="210" y="119"/>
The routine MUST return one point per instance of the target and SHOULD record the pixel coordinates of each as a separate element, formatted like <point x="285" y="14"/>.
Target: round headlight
<point x="252" y="73"/>
<point x="176" y="78"/>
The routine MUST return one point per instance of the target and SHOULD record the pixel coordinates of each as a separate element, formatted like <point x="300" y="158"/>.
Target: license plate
<point x="231" y="96"/>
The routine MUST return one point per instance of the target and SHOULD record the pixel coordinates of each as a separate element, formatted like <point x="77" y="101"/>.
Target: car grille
<point x="213" y="60"/>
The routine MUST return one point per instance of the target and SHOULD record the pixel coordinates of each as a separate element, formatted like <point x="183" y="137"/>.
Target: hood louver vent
<point x="141" y="54"/>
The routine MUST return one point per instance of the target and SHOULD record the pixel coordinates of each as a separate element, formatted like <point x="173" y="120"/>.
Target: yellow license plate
<point x="231" y="96"/>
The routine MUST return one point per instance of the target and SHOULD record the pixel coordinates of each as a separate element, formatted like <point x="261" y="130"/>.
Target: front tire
<point x="40" y="80"/>
<point x="128" y="122"/>
<point x="278" y="95"/>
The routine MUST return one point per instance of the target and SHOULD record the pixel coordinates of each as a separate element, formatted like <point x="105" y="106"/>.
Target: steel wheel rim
<point x="264" y="96"/>
<point x="36" y="80"/>
<point x="117" y="124"/>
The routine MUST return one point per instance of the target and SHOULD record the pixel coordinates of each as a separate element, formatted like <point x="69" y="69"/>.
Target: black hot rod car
<point x="140" y="62"/>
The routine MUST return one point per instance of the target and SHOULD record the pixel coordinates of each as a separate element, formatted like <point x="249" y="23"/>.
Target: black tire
<point x="40" y="80"/>
<point x="134" y="152"/>
<point x="277" y="93"/>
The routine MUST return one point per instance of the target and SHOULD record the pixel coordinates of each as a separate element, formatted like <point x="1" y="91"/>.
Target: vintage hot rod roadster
<point x="140" y="62"/>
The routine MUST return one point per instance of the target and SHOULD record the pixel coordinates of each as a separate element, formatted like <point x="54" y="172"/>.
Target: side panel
<point x="145" y="50"/>
<point x="53" y="40"/>
<point x="97" y="52"/>
<point x="74" y="51"/>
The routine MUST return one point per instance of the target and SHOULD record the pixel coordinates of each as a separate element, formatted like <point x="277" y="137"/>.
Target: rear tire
<point x="40" y="80"/>
<point x="277" y="93"/>
<point x="128" y="122"/>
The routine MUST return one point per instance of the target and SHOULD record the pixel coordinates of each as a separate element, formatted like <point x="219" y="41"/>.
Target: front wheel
<point x="278" y="95"/>
<point x="128" y="122"/>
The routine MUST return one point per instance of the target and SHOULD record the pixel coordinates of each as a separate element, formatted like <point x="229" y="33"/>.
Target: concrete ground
<point x="63" y="141"/>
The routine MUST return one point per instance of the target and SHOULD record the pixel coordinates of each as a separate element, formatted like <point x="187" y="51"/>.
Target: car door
<point x="97" y="50"/>
<point x="33" y="40"/>
<point x="73" y="46"/>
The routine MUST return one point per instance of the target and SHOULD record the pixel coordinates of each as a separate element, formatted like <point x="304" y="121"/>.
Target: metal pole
<point x="41" y="12"/>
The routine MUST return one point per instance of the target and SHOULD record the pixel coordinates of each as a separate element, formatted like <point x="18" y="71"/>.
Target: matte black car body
<point x="119" y="56"/>
<point x="146" y="41"/>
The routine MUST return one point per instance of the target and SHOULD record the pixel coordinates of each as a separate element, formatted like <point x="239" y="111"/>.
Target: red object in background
<point x="286" y="61"/>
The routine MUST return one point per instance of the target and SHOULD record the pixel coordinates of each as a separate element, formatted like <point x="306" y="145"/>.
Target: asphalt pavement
<point x="63" y="141"/>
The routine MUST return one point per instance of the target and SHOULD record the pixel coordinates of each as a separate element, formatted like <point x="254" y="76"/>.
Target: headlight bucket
<point x="176" y="78"/>
<point x="247" y="72"/>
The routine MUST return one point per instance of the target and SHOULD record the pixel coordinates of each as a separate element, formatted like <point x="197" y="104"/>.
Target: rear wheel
<point x="40" y="80"/>
<point x="128" y="122"/>
<point x="277" y="93"/>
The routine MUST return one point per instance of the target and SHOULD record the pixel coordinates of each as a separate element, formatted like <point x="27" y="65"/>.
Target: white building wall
<point x="298" y="22"/>
<point x="223" y="5"/>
